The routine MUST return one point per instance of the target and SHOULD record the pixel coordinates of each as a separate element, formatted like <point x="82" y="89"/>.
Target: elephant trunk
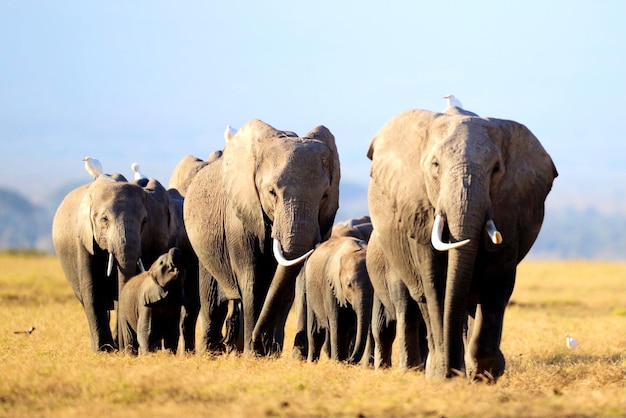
<point x="295" y="234"/>
<point x="364" y="319"/>
<point x="467" y="210"/>
<point x="280" y="293"/>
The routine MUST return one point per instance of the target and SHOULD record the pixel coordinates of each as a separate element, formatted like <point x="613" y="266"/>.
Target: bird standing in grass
<point x="93" y="166"/>
<point x="570" y="342"/>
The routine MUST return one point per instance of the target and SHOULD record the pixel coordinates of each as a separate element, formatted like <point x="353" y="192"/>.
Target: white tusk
<point x="110" y="264"/>
<point x="494" y="234"/>
<point x="278" y="254"/>
<point x="140" y="265"/>
<point x="435" y="237"/>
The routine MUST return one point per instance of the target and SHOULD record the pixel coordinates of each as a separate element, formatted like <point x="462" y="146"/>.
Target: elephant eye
<point x="435" y="167"/>
<point x="273" y="192"/>
<point x="105" y="220"/>
<point x="496" y="168"/>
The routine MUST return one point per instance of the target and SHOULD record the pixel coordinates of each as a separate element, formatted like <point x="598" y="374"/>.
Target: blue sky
<point x="153" y="81"/>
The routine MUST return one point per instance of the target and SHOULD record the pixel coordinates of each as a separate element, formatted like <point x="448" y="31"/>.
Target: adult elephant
<point x="103" y="233"/>
<point x="199" y="284"/>
<point x="272" y="192"/>
<point x="339" y="299"/>
<point x="454" y="177"/>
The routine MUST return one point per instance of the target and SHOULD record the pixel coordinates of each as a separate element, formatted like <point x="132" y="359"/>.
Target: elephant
<point x="199" y="284"/>
<point x="256" y="213"/>
<point x="394" y="314"/>
<point x="338" y="299"/>
<point x="456" y="201"/>
<point x="109" y="223"/>
<point x="150" y="306"/>
<point x="360" y="228"/>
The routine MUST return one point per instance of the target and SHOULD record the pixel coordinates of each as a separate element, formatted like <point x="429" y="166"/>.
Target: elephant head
<point x="477" y="183"/>
<point x="352" y="287"/>
<point x="165" y="274"/>
<point x="287" y="181"/>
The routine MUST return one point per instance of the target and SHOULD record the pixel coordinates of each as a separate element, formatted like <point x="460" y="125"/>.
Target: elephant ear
<point x="528" y="175"/>
<point x="84" y="222"/>
<point x="153" y="292"/>
<point x="328" y="211"/>
<point x="337" y="269"/>
<point x="240" y="157"/>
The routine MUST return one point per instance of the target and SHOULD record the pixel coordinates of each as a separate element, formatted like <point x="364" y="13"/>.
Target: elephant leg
<point x="212" y="313"/>
<point x="92" y="293"/>
<point x="190" y="309"/>
<point x="316" y="337"/>
<point x="300" y="343"/>
<point x="383" y="333"/>
<point x="171" y="333"/>
<point x="483" y="357"/>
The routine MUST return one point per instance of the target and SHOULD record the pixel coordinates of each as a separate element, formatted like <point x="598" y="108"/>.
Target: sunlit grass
<point x="52" y="371"/>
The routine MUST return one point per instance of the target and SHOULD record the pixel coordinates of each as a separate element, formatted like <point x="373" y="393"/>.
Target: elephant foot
<point x="486" y="369"/>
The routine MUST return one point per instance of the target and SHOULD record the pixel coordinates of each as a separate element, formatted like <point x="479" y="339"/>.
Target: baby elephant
<point x="150" y="305"/>
<point x="339" y="299"/>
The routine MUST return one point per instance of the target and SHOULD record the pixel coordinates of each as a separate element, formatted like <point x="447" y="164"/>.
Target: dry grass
<point x="52" y="371"/>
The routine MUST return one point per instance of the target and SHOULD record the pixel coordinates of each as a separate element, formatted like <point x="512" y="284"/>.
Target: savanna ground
<point x="52" y="371"/>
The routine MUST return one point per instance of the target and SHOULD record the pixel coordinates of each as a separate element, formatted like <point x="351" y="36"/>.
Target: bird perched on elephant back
<point x="103" y="233"/>
<point x="338" y="299"/>
<point x="150" y="306"/>
<point x="456" y="202"/>
<point x="271" y="196"/>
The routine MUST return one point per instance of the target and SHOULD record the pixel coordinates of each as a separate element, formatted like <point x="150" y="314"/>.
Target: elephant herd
<point x="239" y="239"/>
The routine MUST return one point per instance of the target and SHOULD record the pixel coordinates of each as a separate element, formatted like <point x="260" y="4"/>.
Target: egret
<point x="229" y="133"/>
<point x="453" y="101"/>
<point x="570" y="342"/>
<point x="135" y="168"/>
<point x="93" y="166"/>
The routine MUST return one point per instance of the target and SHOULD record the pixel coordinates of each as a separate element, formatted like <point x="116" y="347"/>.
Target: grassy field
<point x="52" y="372"/>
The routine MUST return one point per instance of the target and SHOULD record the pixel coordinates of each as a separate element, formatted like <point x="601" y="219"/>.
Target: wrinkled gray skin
<point x="108" y="216"/>
<point x="150" y="306"/>
<point x="339" y="299"/>
<point x="468" y="170"/>
<point x="395" y="314"/>
<point x="360" y="228"/>
<point x="214" y="312"/>
<point x="268" y="185"/>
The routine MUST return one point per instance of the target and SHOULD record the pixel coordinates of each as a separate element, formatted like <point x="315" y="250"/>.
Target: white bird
<point x="93" y="166"/>
<point x="138" y="175"/>
<point x="453" y="101"/>
<point x="570" y="342"/>
<point x="229" y="133"/>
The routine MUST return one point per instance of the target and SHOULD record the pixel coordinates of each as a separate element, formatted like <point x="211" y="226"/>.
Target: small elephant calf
<point x="150" y="306"/>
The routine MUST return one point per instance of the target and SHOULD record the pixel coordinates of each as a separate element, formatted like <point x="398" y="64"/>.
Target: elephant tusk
<point x="494" y="234"/>
<point x="110" y="264"/>
<point x="140" y="265"/>
<point x="435" y="237"/>
<point x="278" y="254"/>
